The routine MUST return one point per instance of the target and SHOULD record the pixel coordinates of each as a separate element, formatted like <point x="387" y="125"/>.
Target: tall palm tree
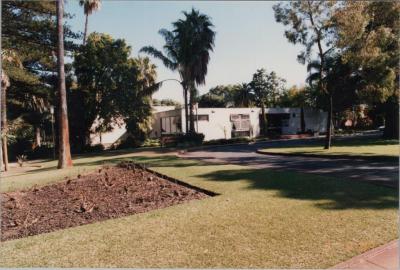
<point x="64" y="155"/>
<point x="187" y="50"/>
<point x="89" y="6"/>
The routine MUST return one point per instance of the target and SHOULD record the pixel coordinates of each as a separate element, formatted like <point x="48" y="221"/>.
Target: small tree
<point x="266" y="88"/>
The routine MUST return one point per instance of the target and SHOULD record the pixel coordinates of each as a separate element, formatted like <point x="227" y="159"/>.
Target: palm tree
<point x="89" y="6"/>
<point x="243" y="96"/>
<point x="64" y="156"/>
<point x="187" y="50"/>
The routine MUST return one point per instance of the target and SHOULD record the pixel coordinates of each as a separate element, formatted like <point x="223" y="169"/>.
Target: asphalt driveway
<point x="378" y="172"/>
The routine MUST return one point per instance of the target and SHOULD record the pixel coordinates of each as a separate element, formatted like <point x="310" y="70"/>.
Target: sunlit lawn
<point x="369" y="148"/>
<point x="261" y="219"/>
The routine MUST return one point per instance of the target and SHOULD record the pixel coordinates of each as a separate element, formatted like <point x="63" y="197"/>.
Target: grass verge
<point x="362" y="148"/>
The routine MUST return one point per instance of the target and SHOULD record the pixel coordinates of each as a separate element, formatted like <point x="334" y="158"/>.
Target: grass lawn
<point x="361" y="147"/>
<point x="261" y="219"/>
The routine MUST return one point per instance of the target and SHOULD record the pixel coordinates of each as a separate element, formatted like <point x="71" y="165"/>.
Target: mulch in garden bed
<point x="110" y="192"/>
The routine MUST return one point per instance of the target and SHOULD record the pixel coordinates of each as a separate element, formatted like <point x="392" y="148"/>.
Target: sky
<point x="247" y="38"/>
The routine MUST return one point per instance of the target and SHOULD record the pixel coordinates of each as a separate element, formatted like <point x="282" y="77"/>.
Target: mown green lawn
<point x="262" y="219"/>
<point x="363" y="147"/>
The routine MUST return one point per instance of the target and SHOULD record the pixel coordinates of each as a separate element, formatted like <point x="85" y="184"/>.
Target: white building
<point x="220" y="123"/>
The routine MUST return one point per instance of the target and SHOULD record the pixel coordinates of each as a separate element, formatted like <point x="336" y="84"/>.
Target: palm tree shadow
<point x="326" y="192"/>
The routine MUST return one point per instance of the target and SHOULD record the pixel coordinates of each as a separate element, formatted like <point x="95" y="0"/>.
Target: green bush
<point x="129" y="142"/>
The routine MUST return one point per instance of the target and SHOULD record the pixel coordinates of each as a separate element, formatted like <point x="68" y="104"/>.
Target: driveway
<point x="379" y="172"/>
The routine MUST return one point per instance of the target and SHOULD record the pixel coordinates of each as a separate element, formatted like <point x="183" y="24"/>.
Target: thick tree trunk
<point x="4" y="127"/>
<point x="391" y="120"/>
<point x="263" y="121"/>
<point x="302" y="121"/>
<point x="86" y="28"/>
<point x="38" y="139"/>
<point x="64" y="157"/>
<point x="328" y="137"/>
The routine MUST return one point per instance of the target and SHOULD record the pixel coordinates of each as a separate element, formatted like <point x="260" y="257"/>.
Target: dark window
<point x="293" y="115"/>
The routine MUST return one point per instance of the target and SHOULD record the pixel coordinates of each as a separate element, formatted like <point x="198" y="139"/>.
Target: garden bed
<point x="110" y="192"/>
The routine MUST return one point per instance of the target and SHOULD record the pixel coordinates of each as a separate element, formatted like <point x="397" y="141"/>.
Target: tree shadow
<point x="328" y="193"/>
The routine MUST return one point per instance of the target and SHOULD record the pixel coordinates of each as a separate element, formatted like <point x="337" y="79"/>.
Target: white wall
<point x="219" y="125"/>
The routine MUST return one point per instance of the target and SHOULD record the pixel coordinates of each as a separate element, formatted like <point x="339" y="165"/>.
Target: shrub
<point x="129" y="142"/>
<point x="229" y="141"/>
<point x="182" y="140"/>
<point x="94" y="148"/>
<point x="151" y="143"/>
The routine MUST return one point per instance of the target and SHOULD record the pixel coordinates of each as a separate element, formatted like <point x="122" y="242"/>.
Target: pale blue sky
<point x="247" y="37"/>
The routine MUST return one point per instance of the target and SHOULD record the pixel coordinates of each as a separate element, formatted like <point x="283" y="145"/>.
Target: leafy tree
<point x="210" y="100"/>
<point x="310" y="24"/>
<point x="266" y="88"/>
<point x="89" y="6"/>
<point x="112" y="87"/>
<point x="368" y="35"/>
<point x="64" y="152"/>
<point x="187" y="50"/>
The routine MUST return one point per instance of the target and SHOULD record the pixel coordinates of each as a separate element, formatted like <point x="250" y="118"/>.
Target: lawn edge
<point x="332" y="156"/>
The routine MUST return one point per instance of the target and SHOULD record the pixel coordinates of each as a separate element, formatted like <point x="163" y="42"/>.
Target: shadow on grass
<point x="161" y="161"/>
<point x="327" y="192"/>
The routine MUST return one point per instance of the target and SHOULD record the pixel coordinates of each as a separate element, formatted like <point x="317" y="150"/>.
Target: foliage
<point x="297" y="97"/>
<point x="113" y="87"/>
<point x="368" y="34"/>
<point x="266" y="87"/>
<point x="166" y="102"/>
<point x="29" y="38"/>
<point x="187" y="50"/>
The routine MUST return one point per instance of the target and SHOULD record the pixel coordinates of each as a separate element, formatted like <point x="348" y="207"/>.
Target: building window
<point x="240" y="122"/>
<point x="201" y="117"/>
<point x="293" y="115"/>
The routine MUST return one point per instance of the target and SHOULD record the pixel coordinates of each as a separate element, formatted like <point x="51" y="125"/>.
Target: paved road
<point x="381" y="172"/>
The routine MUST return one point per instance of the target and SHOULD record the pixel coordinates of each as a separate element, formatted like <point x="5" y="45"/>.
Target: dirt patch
<point x="110" y="192"/>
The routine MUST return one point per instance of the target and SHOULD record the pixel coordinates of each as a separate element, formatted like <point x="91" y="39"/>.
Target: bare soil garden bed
<point x="110" y="192"/>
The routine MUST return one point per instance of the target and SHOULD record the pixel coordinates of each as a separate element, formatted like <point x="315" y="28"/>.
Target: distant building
<point x="220" y="123"/>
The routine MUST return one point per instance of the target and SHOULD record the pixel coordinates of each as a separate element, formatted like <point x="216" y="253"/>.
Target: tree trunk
<point x="86" y="28"/>
<point x="391" y="120"/>
<point x="185" y="92"/>
<point x="302" y="121"/>
<point x="191" y="116"/>
<point x="38" y="141"/>
<point x="4" y="128"/>
<point x="64" y="157"/>
<point x="263" y="121"/>
<point x="328" y="138"/>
